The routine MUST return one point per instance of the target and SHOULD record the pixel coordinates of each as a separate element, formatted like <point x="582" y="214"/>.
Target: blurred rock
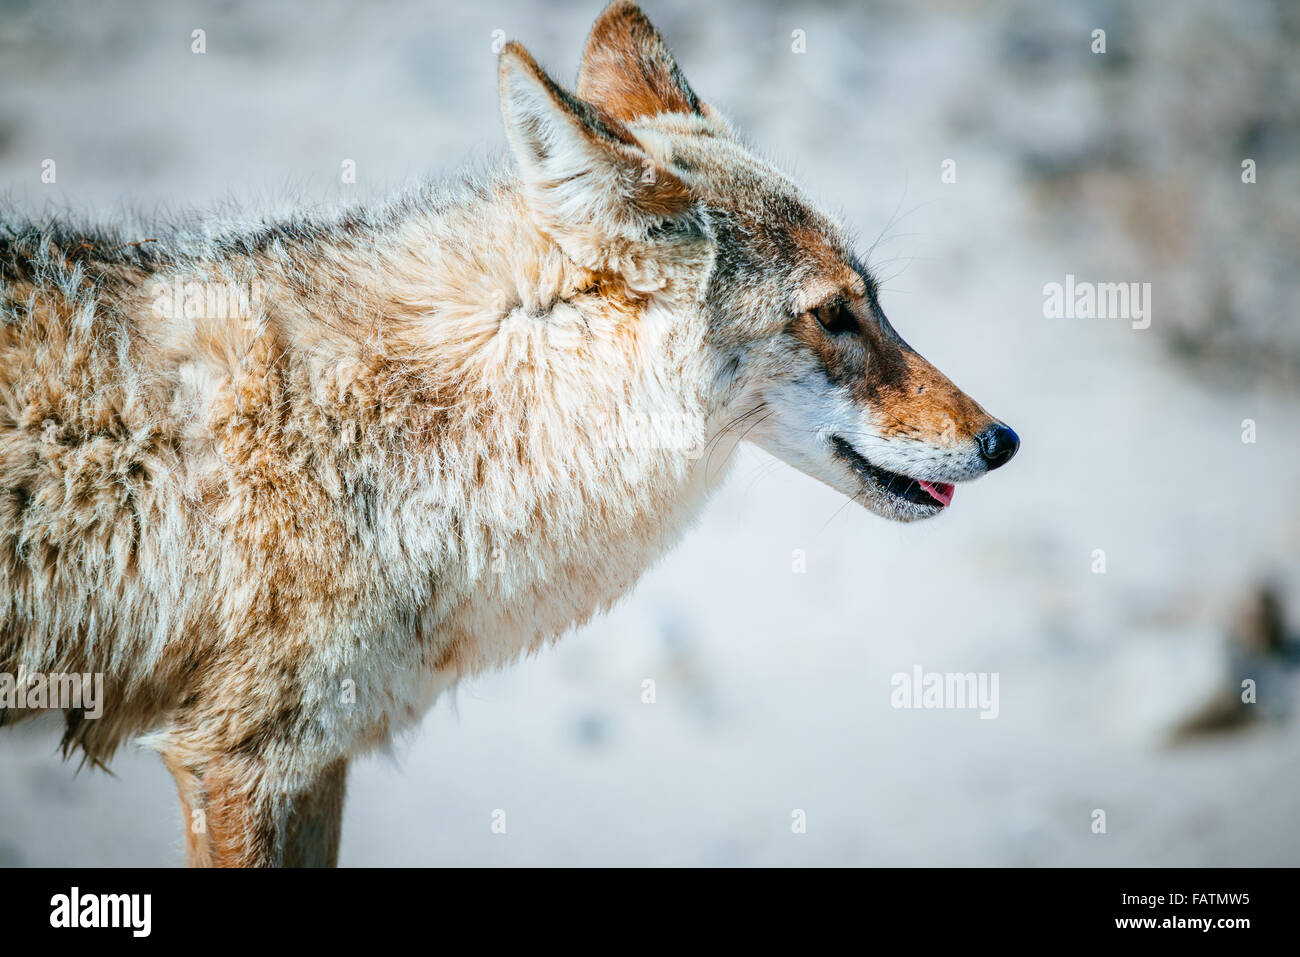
<point x="1259" y="651"/>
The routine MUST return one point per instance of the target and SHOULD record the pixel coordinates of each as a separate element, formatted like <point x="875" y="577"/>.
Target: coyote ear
<point x="583" y="171"/>
<point x="627" y="69"/>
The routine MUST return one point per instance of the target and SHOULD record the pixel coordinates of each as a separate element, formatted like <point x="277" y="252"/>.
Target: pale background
<point x="773" y="687"/>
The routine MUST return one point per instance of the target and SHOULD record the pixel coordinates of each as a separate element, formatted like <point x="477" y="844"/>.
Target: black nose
<point x="998" y="444"/>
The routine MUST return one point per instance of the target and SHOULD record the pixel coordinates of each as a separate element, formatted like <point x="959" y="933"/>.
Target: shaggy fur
<point x="397" y="451"/>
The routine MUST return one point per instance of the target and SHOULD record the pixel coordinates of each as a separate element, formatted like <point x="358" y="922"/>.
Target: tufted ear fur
<point x="627" y="70"/>
<point x="587" y="178"/>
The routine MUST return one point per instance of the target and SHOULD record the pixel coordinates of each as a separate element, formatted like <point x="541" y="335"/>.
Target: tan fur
<point x="627" y="70"/>
<point x="281" y="534"/>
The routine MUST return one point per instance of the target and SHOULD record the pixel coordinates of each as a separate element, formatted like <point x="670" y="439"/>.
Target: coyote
<point x="282" y="485"/>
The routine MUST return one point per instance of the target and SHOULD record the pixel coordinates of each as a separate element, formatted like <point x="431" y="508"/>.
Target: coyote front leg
<point x="239" y="813"/>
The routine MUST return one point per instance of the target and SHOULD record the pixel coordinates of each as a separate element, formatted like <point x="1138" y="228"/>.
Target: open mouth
<point x="916" y="491"/>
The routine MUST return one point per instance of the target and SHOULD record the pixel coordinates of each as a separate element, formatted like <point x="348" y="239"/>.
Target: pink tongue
<point x="941" y="491"/>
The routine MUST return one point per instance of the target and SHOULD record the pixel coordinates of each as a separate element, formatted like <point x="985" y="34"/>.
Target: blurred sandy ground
<point x="773" y="687"/>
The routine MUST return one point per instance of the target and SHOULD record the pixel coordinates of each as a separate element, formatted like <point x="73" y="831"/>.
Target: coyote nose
<point x="997" y="444"/>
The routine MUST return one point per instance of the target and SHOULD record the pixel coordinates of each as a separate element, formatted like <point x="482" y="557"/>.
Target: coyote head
<point x="635" y="175"/>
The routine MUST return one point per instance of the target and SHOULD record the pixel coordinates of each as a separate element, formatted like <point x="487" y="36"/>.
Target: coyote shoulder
<point x="281" y="486"/>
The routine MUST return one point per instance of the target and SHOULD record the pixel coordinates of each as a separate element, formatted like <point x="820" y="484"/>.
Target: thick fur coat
<point x="282" y="485"/>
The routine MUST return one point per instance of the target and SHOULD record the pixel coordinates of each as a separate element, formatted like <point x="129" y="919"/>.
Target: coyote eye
<point x="836" y="318"/>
